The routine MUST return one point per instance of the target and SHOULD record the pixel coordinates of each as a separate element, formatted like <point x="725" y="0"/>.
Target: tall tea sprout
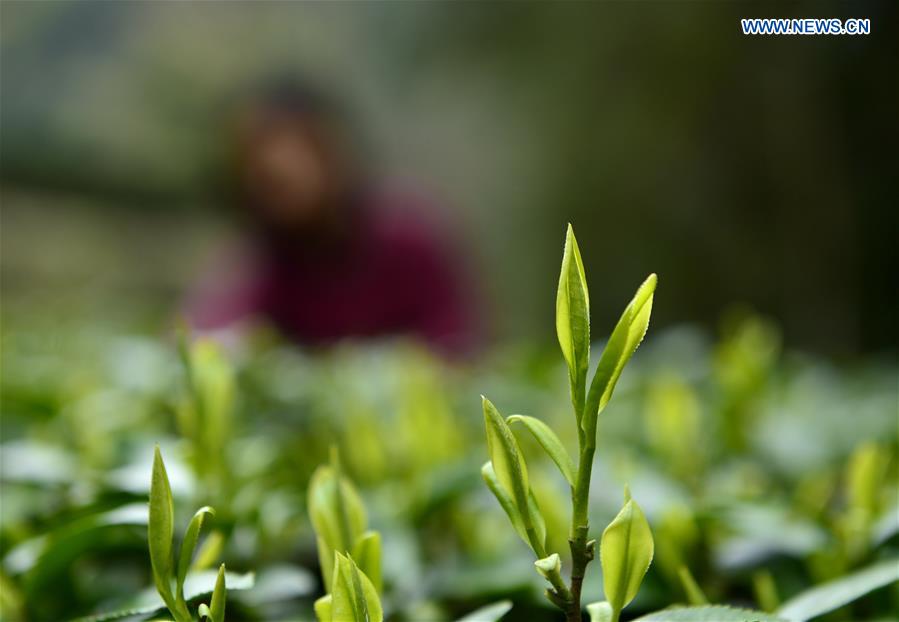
<point x="349" y="554"/>
<point x="627" y="545"/>
<point x="169" y="574"/>
<point x="205" y="413"/>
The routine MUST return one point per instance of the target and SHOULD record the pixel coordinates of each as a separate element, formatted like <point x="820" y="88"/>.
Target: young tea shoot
<point x="627" y="544"/>
<point x="349" y="554"/>
<point x="168" y="575"/>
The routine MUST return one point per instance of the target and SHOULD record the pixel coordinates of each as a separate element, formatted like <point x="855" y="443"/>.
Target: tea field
<point x="757" y="478"/>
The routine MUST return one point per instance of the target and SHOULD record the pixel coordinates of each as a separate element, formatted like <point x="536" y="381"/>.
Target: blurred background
<point x="742" y="170"/>
<point x="141" y="142"/>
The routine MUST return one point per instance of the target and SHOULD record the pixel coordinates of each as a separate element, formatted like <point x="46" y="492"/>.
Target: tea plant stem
<point x="581" y="548"/>
<point x="539" y="549"/>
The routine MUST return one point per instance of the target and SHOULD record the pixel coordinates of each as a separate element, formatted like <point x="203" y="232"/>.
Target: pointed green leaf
<point x="537" y="521"/>
<point x="550" y="443"/>
<point x="765" y="590"/>
<point x="198" y="585"/>
<point x="326" y="561"/>
<point x="212" y="381"/>
<point x="508" y="463"/>
<point x="488" y="613"/>
<point x="864" y="476"/>
<point x="337" y="514"/>
<point x="323" y="608"/>
<point x="832" y="595"/>
<point x="626" y="551"/>
<point x="508" y="505"/>
<point x="538" y="544"/>
<point x="600" y="612"/>
<point x="160" y="530"/>
<point x="189" y="544"/>
<point x="511" y="473"/>
<point x="217" y="604"/>
<point x="367" y="552"/>
<point x="354" y="598"/>
<point x="573" y="320"/>
<point x="622" y="344"/>
<point x="712" y="613"/>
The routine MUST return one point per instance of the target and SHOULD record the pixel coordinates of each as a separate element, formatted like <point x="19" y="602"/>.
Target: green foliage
<point x="758" y="478"/>
<point x="625" y="339"/>
<point x="765" y="589"/>
<point x="205" y="412"/>
<point x="507" y="477"/>
<point x="573" y="319"/>
<point x="600" y="612"/>
<point x="215" y="611"/>
<point x="626" y="551"/>
<point x="353" y="597"/>
<point x="550" y="443"/>
<point x="198" y="585"/>
<point x="161" y="531"/>
<point x="339" y="519"/>
<point x="627" y="543"/>
<point x="160" y="534"/>
<point x="189" y="545"/>
<point x="537" y="534"/>
<point x="829" y="596"/>
<point x="712" y="613"/>
<point x="488" y="613"/>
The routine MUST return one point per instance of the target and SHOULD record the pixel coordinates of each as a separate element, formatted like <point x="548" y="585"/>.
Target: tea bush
<point x="763" y="481"/>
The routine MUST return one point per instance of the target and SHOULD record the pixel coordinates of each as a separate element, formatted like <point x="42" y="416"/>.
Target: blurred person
<point x="329" y="253"/>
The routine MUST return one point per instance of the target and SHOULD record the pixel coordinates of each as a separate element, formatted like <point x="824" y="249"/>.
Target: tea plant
<point x="349" y="555"/>
<point x="204" y="413"/>
<point x="166" y="573"/>
<point x="353" y="587"/>
<point x="626" y="547"/>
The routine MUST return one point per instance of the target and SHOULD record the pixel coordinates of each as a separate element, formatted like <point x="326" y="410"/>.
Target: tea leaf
<point x="217" y="604"/>
<point x="488" y="613"/>
<point x="600" y="612"/>
<point x="508" y="463"/>
<point x="160" y="529"/>
<point x="713" y="613"/>
<point x="212" y="383"/>
<point x="326" y="561"/>
<point x="189" y="544"/>
<point x="323" y="608"/>
<point x="197" y="585"/>
<point x="622" y="344"/>
<point x="354" y="598"/>
<point x="834" y="594"/>
<point x="505" y="501"/>
<point x="539" y="525"/>
<point x="512" y="511"/>
<point x="626" y="551"/>
<point x="863" y="478"/>
<point x="765" y="590"/>
<point x="368" y="552"/>
<point x="573" y="320"/>
<point x="550" y="443"/>
<point x="337" y="514"/>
